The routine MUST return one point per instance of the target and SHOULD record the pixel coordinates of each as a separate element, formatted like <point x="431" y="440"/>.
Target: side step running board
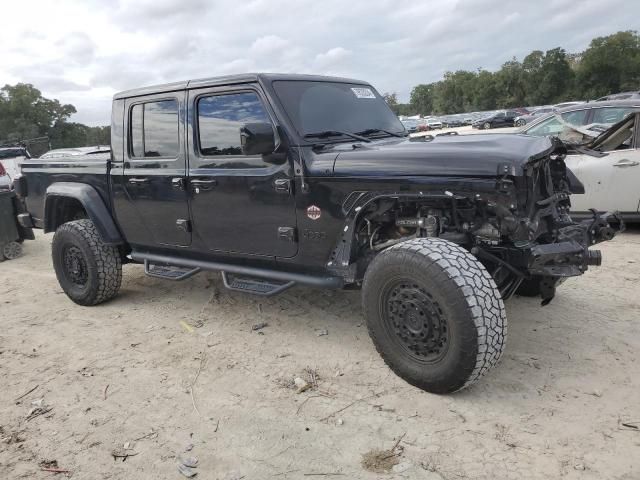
<point x="256" y="286"/>
<point x="272" y="281"/>
<point x="169" y="272"/>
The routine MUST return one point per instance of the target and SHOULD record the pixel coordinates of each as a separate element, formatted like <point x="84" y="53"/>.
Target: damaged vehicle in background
<point x="595" y="117"/>
<point x="284" y="180"/>
<point x="608" y="164"/>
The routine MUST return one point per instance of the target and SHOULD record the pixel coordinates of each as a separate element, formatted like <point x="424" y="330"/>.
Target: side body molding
<point x="90" y="201"/>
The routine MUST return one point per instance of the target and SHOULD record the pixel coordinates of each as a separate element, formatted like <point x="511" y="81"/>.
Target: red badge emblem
<point x="313" y="212"/>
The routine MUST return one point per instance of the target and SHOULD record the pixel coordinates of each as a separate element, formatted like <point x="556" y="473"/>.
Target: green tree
<point x="511" y="85"/>
<point x="25" y="113"/>
<point x="611" y="64"/>
<point x="421" y="99"/>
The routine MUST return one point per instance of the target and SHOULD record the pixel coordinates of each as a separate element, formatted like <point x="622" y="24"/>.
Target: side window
<point x="550" y="126"/>
<point x="579" y="117"/>
<point x="220" y="118"/>
<point x="609" y="115"/>
<point x="154" y="129"/>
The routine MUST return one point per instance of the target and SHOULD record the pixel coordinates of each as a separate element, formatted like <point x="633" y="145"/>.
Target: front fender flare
<point x="92" y="203"/>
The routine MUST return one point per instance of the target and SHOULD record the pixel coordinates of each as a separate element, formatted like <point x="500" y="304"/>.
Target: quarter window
<point x="220" y="118"/>
<point x="154" y="129"/>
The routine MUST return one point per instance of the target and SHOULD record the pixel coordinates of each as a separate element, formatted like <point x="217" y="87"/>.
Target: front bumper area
<point x="570" y="255"/>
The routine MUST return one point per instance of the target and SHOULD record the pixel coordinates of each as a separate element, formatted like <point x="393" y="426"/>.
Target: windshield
<point x="316" y="107"/>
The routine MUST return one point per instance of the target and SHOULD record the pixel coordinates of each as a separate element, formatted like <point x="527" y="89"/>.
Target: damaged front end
<point x="544" y="243"/>
<point x="517" y="224"/>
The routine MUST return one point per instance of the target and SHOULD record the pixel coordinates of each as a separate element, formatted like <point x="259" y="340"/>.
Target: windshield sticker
<point x="363" y="92"/>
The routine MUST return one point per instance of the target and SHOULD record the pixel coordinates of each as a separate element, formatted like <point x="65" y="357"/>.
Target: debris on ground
<point x="259" y="326"/>
<point x="52" y="467"/>
<point x="11" y="437"/>
<point x="631" y="425"/>
<point x="322" y="332"/>
<point x="305" y="380"/>
<point x="186" y="466"/>
<point x="379" y="461"/>
<point x="301" y="385"/>
<point x="123" y="453"/>
<point x="37" y="411"/>
<point x="17" y="400"/>
<point x="186" y="326"/>
<point x="383" y="461"/>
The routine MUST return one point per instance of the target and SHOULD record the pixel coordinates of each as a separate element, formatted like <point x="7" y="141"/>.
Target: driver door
<point x="240" y="204"/>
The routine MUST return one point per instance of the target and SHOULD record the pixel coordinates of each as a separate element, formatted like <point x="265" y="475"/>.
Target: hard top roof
<point x="230" y="80"/>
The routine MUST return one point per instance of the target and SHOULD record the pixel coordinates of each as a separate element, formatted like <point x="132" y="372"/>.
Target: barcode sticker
<point x="363" y="92"/>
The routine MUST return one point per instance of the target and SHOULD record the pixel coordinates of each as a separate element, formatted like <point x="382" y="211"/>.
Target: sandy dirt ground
<point x="168" y="370"/>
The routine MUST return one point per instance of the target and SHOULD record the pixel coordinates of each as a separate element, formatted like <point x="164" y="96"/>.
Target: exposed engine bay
<point x="518" y="226"/>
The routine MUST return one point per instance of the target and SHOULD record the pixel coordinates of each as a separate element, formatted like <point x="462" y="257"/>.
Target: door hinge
<point x="287" y="233"/>
<point x="282" y="185"/>
<point x="184" y="225"/>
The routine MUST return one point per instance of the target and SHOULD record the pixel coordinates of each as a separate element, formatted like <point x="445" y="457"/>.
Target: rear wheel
<point x="11" y="250"/>
<point x="88" y="271"/>
<point x="434" y="314"/>
<point x="520" y="123"/>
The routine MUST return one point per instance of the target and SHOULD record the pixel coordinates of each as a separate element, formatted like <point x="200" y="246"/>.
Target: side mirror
<point x="257" y="139"/>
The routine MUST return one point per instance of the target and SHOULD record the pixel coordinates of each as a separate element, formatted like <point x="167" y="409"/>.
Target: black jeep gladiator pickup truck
<point x="280" y="180"/>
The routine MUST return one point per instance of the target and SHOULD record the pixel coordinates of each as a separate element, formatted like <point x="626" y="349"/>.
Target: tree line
<point x="25" y="114"/>
<point x="610" y="64"/>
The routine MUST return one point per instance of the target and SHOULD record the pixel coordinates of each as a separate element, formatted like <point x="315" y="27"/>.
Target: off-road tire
<point x="458" y="291"/>
<point x="101" y="264"/>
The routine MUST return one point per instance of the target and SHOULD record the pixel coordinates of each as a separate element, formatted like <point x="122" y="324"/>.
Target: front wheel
<point x="487" y="125"/>
<point x="88" y="271"/>
<point x="434" y="314"/>
<point x="520" y="123"/>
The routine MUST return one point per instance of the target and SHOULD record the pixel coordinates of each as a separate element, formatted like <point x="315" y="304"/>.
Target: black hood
<point x="456" y="155"/>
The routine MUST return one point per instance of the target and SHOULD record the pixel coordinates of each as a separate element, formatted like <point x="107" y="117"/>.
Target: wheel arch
<point x="62" y="201"/>
<point x="342" y="258"/>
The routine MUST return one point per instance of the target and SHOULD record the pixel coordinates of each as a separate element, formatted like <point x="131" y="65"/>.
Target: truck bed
<point x="91" y="169"/>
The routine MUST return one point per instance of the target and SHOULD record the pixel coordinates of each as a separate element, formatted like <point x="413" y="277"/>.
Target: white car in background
<point x="612" y="177"/>
<point x="11" y="158"/>
<point x="611" y="172"/>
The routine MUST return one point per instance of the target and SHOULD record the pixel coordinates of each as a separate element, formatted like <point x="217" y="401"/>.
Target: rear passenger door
<point x="155" y="209"/>
<point x="240" y="204"/>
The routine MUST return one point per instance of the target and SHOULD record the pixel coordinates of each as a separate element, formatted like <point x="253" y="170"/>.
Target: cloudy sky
<point x="81" y="52"/>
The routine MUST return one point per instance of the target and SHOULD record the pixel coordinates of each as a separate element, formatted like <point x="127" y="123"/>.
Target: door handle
<point x="138" y="181"/>
<point x="203" y="184"/>
<point x="625" y="162"/>
<point x="178" y="183"/>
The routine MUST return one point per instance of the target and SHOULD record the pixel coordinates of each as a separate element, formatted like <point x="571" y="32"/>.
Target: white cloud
<point x="332" y="58"/>
<point x="83" y="51"/>
<point x="268" y="44"/>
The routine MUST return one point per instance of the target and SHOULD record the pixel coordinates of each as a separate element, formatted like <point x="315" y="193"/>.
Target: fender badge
<point x="313" y="212"/>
